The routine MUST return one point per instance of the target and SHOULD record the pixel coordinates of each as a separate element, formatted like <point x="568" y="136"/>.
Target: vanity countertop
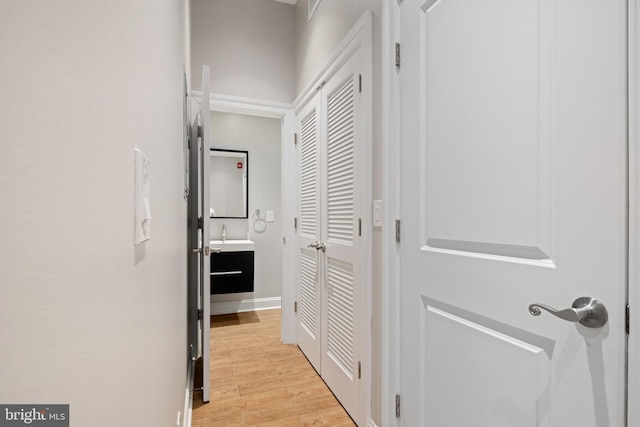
<point x="233" y="245"/>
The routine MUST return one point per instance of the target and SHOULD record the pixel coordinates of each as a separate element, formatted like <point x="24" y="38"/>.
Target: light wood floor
<point x="257" y="381"/>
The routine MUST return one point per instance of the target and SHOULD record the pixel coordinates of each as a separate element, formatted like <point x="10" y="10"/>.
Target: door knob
<point x="585" y="310"/>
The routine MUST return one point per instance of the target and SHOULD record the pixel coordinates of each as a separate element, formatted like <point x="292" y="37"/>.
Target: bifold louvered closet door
<point x="331" y="295"/>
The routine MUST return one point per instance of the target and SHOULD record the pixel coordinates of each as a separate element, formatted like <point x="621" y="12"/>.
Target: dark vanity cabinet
<point x="232" y="272"/>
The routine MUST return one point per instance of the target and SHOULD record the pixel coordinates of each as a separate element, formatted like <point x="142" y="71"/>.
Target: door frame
<point x="284" y="112"/>
<point x="390" y="304"/>
<point x="633" y="356"/>
<point x="390" y="328"/>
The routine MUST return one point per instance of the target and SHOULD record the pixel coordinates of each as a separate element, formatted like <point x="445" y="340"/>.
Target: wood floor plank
<point x="258" y="381"/>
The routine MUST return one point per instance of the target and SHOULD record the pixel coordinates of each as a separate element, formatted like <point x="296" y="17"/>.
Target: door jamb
<point x="633" y="355"/>
<point x="390" y="327"/>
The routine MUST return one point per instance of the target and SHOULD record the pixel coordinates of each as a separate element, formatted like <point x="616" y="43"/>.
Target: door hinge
<point x="628" y="319"/>
<point x="199" y="131"/>
<point x="397" y="231"/>
<point x="359" y="83"/>
<point x="295" y="223"/>
<point x="200" y="224"/>
<point x="199" y="314"/>
<point x="359" y="226"/>
<point x="359" y="369"/>
<point x="295" y="138"/>
<point x="295" y="306"/>
<point x="397" y="54"/>
<point x="397" y="406"/>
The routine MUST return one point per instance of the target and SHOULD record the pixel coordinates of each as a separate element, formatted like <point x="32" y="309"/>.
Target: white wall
<point x="85" y="317"/>
<point x="249" y="45"/>
<point x="316" y="40"/>
<point x="261" y="137"/>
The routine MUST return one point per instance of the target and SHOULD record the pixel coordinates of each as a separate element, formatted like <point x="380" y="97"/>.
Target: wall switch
<point x="269" y="216"/>
<point x="377" y="213"/>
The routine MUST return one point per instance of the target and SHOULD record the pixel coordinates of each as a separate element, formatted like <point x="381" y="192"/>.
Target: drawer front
<point x="232" y="272"/>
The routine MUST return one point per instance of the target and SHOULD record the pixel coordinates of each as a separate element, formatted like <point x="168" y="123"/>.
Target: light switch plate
<point x="377" y="213"/>
<point x="269" y="216"/>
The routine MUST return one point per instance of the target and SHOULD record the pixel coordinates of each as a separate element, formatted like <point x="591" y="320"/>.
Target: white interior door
<point x="333" y="256"/>
<point x="204" y="119"/>
<point x="308" y="320"/>
<point x="513" y="162"/>
<point x="345" y="259"/>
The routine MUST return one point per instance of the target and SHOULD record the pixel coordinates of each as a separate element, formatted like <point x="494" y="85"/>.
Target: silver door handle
<point x="318" y="246"/>
<point x="206" y="250"/>
<point x="585" y="310"/>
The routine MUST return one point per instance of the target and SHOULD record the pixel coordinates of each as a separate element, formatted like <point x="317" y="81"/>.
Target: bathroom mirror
<point x="229" y="183"/>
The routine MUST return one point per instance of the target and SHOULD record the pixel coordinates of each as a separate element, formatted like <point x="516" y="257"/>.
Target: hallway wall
<point x="273" y="55"/>
<point x="87" y="318"/>
<point x="249" y="45"/>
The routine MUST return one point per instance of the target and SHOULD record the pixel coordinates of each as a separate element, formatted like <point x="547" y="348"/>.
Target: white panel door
<point x="309" y="298"/>
<point x="343" y="268"/>
<point x="513" y="162"/>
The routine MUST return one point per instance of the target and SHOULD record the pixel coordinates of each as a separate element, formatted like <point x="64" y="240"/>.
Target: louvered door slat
<point x="308" y="300"/>
<point x="308" y="171"/>
<point x="340" y="314"/>
<point x="340" y="112"/>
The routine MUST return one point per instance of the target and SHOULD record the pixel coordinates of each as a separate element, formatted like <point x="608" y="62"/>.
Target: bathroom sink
<point x="232" y="245"/>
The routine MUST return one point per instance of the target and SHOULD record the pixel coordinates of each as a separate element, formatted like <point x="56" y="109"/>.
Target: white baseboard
<point x="245" y="305"/>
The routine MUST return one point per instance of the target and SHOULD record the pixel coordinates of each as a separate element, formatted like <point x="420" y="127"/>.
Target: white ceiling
<point x="288" y="1"/>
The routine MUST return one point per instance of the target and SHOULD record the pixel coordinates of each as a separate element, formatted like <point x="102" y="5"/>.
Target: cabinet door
<point x="232" y="272"/>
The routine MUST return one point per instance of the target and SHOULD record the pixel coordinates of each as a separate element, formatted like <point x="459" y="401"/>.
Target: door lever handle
<point x="585" y="310"/>
<point x="317" y="246"/>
